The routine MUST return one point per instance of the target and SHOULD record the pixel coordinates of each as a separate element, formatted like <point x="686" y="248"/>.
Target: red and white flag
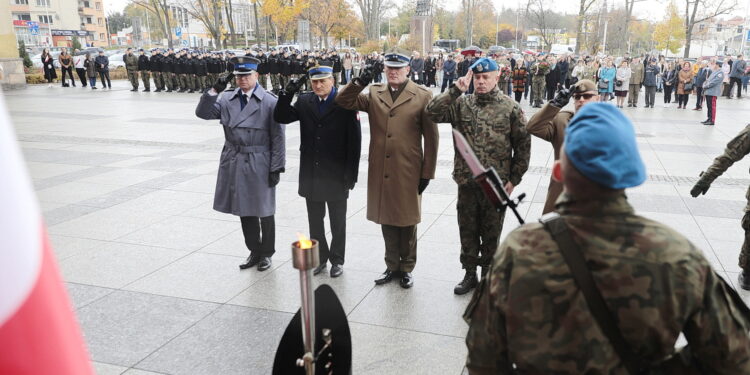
<point x="38" y="332"/>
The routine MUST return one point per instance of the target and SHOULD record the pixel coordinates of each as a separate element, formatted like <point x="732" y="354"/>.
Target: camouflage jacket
<point x="131" y="61"/>
<point x="736" y="149"/>
<point x="530" y="313"/>
<point x="494" y="126"/>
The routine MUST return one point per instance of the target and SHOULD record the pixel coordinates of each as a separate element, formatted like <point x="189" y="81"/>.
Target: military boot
<point x="744" y="279"/>
<point x="467" y="284"/>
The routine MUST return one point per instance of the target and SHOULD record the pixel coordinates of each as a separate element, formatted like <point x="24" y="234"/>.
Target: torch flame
<point x="304" y="242"/>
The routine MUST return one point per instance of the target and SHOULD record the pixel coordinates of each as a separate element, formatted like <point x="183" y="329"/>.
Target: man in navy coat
<point x="330" y="139"/>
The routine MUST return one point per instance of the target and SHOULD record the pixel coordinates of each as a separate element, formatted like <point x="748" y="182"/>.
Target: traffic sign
<point x="184" y="43"/>
<point x="33" y="27"/>
<point x="178" y="31"/>
<point x="748" y="35"/>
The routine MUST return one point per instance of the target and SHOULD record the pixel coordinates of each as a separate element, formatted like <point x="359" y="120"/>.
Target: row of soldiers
<point x="186" y="70"/>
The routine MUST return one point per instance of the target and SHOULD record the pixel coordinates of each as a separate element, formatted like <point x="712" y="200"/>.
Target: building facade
<point x="54" y="23"/>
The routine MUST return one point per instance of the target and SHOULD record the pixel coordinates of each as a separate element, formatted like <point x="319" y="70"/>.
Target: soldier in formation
<point x="495" y="127"/>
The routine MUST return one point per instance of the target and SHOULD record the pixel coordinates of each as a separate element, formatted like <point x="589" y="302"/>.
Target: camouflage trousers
<point x="479" y="226"/>
<point x="133" y="78"/>
<point x="211" y="79"/>
<point x="263" y="80"/>
<point x="200" y="82"/>
<point x="283" y="81"/>
<point x="275" y="82"/>
<point x="158" y="80"/>
<point x="184" y="82"/>
<point x="537" y="88"/>
<point x="169" y="80"/>
<point x="745" y="252"/>
<point x="146" y="78"/>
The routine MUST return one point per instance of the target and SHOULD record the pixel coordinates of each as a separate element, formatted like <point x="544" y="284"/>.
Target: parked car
<point x="116" y="61"/>
<point x="37" y="60"/>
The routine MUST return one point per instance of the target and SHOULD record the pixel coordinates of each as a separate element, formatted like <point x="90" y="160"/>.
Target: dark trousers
<point x="82" y="75"/>
<point x="68" y="71"/>
<point x="519" y="96"/>
<point x="260" y="234"/>
<point x="316" y="212"/>
<point x="682" y="99"/>
<point x="699" y="97"/>
<point x="102" y="76"/>
<point x="732" y="82"/>
<point x="551" y="91"/>
<point x="431" y="79"/>
<point x="447" y="82"/>
<point x="667" y="94"/>
<point x="711" y="104"/>
<point x="650" y="96"/>
<point x="400" y="247"/>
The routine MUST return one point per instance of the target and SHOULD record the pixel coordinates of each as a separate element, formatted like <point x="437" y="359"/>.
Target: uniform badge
<point x="480" y="68"/>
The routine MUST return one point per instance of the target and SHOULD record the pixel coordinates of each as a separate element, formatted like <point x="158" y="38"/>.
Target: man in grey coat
<point x="735" y="76"/>
<point x="417" y="68"/>
<point x="252" y="158"/>
<point x="712" y="89"/>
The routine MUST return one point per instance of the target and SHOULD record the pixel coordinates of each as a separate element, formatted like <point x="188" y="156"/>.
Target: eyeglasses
<point x="583" y="96"/>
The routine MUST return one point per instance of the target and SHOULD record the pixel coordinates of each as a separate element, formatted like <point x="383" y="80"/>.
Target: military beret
<point x="245" y="64"/>
<point x="600" y="143"/>
<point x="484" y="65"/>
<point x="583" y="86"/>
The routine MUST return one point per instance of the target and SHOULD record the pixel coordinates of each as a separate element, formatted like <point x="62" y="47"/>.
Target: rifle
<point x="487" y="178"/>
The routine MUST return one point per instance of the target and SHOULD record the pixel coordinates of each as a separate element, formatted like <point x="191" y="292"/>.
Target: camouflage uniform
<point x="495" y="127"/>
<point x="131" y="65"/>
<point x="530" y="313"/>
<point x="538" y="83"/>
<point x="736" y="149"/>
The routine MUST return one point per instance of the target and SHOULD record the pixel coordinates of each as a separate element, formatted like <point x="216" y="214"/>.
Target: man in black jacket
<point x="157" y="69"/>
<point x="144" y="69"/>
<point x="329" y="158"/>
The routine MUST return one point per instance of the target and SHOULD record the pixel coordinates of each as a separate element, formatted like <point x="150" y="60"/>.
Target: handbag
<point x="618" y="83"/>
<point x="679" y="363"/>
<point x="688" y="87"/>
<point x="604" y="84"/>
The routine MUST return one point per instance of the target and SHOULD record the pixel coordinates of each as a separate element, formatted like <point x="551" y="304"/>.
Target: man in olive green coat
<point x="131" y="66"/>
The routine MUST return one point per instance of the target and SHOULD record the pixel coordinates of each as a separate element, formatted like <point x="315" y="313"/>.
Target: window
<point x="23" y="17"/>
<point x="42" y="3"/>
<point x="88" y="21"/>
<point x="739" y="29"/>
<point x="98" y="6"/>
<point x="45" y="19"/>
<point x="718" y="28"/>
<point x="21" y="2"/>
<point x="101" y="36"/>
<point x="86" y="4"/>
<point x="100" y="21"/>
<point x="701" y="27"/>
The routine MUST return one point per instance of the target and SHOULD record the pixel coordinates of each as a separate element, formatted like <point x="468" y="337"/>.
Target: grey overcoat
<point x="254" y="146"/>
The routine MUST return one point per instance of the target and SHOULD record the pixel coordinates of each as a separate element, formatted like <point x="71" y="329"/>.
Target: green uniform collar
<point x="488" y="97"/>
<point x="614" y="204"/>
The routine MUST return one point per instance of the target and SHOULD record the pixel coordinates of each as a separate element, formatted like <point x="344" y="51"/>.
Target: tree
<point x="133" y="10"/>
<point x="583" y="8"/>
<point x="283" y="13"/>
<point x="229" y="10"/>
<point x="328" y="16"/>
<point x="468" y="7"/>
<point x="118" y="21"/>
<point x="208" y="12"/>
<point x="372" y="13"/>
<point x="669" y="34"/>
<point x="629" y="5"/>
<point x="697" y="11"/>
<point x="544" y="20"/>
<point x="161" y="10"/>
<point x="22" y="53"/>
<point x="76" y="43"/>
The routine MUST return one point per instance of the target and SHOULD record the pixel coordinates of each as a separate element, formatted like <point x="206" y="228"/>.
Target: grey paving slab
<point x="107" y="224"/>
<point x="82" y="295"/>
<point x="390" y="305"/>
<point x="67" y="212"/>
<point x="115" y="264"/>
<point x="279" y="291"/>
<point x="232" y="340"/>
<point x="66" y="246"/>
<point x="107" y="369"/>
<point x="133" y="371"/>
<point x="116" y="197"/>
<point x="202" y="277"/>
<point x="74" y="192"/>
<point x="167" y="180"/>
<point x="384" y="350"/>
<point x="167" y="164"/>
<point x="48" y="170"/>
<point x="181" y="233"/>
<point x="166" y="202"/>
<point x="124" y="176"/>
<point x="44" y="183"/>
<point x="715" y="207"/>
<point x="124" y="327"/>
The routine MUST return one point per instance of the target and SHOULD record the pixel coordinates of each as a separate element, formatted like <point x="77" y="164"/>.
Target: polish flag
<point x="38" y="332"/>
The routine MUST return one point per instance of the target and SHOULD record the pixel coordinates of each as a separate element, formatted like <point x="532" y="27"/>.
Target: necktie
<point x="243" y="101"/>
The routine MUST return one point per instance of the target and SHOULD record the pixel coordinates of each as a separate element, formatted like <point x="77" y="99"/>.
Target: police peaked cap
<point x="244" y="64"/>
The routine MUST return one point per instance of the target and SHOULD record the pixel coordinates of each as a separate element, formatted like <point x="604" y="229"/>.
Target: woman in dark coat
<point x="49" y="66"/>
<point x="553" y="79"/>
<point x="90" y="65"/>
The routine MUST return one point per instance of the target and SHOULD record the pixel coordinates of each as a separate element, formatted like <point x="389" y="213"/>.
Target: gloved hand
<point x="701" y="187"/>
<point x="365" y="77"/>
<point x="562" y="98"/>
<point x="423" y="182"/>
<point x="274" y="178"/>
<point x="294" y="85"/>
<point x="222" y="82"/>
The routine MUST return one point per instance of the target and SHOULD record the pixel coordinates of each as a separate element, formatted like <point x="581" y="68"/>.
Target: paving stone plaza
<point x="126" y="184"/>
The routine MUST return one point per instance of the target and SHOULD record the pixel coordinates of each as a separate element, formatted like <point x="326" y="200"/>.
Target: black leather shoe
<point x="251" y="261"/>
<point x="147" y="90"/>
<point x="709" y="123"/>
<point x="744" y="280"/>
<point x="337" y="270"/>
<point x="320" y="268"/>
<point x="265" y="263"/>
<point x="407" y="280"/>
<point x="385" y="277"/>
<point x="467" y="284"/>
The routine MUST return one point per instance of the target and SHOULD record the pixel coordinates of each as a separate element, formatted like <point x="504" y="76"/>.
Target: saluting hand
<point x="463" y="83"/>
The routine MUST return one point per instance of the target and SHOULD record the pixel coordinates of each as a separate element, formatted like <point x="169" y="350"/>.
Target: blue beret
<point x="484" y="65"/>
<point x="600" y="142"/>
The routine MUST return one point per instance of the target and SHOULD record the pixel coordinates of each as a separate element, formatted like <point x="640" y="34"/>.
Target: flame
<point x="304" y="242"/>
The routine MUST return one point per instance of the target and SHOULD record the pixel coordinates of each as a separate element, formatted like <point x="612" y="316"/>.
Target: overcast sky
<point x="651" y="9"/>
